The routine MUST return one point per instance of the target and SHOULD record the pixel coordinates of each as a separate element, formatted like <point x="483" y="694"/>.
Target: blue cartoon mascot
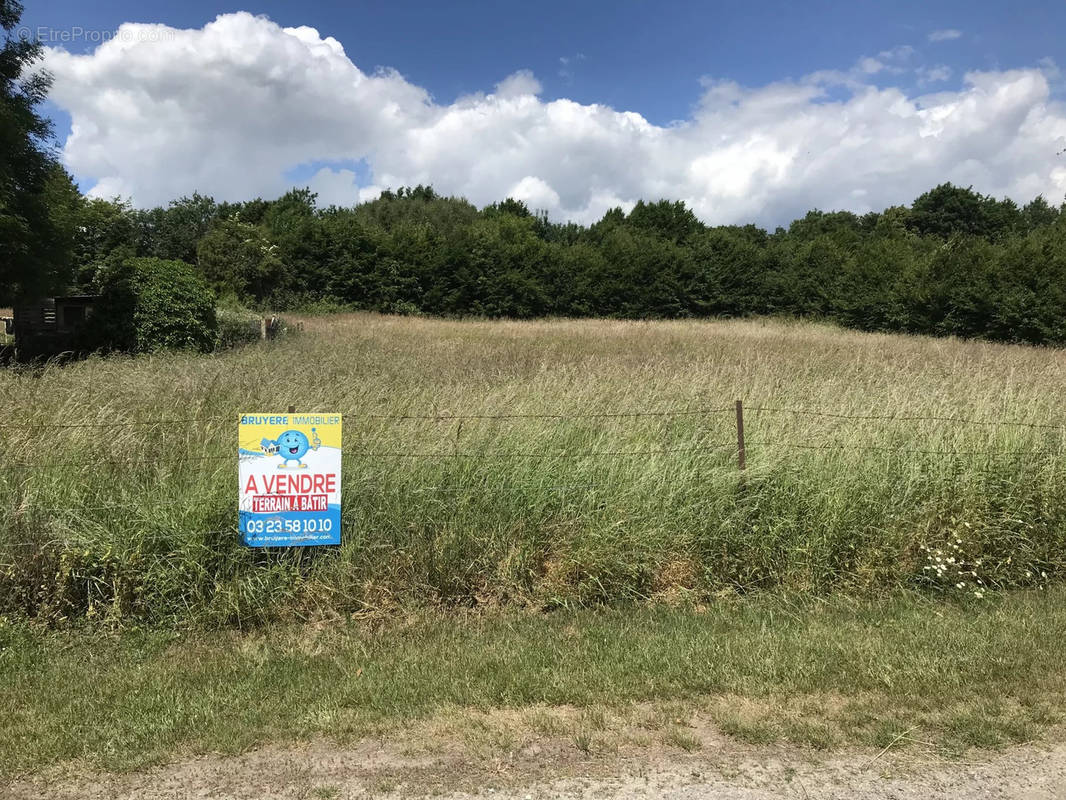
<point x="291" y="446"/>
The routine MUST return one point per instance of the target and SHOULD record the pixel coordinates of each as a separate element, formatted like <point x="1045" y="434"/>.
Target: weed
<point x="685" y="740"/>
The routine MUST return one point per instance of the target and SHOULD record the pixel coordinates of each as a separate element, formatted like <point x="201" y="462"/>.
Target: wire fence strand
<point x="131" y="462"/>
<point x="587" y="415"/>
<point x="547" y="454"/>
<point x="880" y="449"/>
<point x="903" y="417"/>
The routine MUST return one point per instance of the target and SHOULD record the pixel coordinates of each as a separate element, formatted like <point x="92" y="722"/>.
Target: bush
<point x="150" y="304"/>
<point x="237" y="327"/>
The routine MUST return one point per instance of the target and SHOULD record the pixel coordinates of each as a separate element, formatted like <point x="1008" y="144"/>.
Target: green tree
<point x="842" y="226"/>
<point x="292" y="223"/>
<point x="509" y="205"/>
<point x="506" y="264"/>
<point x="174" y="232"/>
<point x="238" y="259"/>
<point x="360" y="274"/>
<point x="673" y="221"/>
<point x="34" y="235"/>
<point x="645" y="276"/>
<point x="948" y="210"/>
<point x="103" y="227"/>
<point x="729" y="272"/>
<point x="1038" y="213"/>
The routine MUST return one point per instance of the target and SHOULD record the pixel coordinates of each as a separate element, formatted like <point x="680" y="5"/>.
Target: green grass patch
<point x="822" y="673"/>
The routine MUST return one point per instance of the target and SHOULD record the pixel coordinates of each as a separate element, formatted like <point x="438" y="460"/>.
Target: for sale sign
<point x="290" y="479"/>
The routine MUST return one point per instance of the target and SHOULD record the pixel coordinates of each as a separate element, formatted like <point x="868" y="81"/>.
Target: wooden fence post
<point x="741" y="455"/>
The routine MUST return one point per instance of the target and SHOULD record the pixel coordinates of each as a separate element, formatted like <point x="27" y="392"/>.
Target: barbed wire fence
<point x="740" y="449"/>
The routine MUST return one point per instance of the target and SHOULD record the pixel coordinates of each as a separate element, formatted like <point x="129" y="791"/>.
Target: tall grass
<point x="137" y="521"/>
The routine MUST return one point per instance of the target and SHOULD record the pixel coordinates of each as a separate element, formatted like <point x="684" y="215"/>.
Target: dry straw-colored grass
<point x="525" y="510"/>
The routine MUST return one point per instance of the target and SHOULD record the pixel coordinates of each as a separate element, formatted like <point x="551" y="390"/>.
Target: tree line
<point x="954" y="262"/>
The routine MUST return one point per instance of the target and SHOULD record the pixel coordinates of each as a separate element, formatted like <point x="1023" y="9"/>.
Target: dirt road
<point x="543" y="767"/>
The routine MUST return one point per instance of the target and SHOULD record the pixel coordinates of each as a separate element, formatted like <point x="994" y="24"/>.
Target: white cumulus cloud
<point x="519" y="84"/>
<point x="231" y="108"/>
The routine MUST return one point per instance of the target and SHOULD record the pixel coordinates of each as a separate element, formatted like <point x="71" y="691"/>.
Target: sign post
<point x="290" y="479"/>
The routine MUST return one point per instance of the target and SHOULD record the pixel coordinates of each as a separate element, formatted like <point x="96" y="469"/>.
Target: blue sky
<point x="631" y="55"/>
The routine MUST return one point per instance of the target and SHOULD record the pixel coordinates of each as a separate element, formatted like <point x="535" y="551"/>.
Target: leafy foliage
<point x="150" y="304"/>
<point x="956" y="263"/>
<point x="237" y="258"/>
<point x="36" y="194"/>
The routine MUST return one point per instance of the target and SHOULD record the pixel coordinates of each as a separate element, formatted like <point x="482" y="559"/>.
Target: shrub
<point x="237" y="327"/>
<point x="150" y="304"/>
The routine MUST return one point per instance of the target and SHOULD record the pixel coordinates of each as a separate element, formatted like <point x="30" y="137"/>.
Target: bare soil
<point x="471" y="757"/>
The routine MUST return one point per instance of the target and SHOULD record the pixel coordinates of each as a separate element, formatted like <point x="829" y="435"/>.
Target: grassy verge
<point x="821" y="673"/>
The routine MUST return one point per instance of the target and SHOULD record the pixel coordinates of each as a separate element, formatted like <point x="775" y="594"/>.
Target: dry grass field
<point x="541" y="464"/>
